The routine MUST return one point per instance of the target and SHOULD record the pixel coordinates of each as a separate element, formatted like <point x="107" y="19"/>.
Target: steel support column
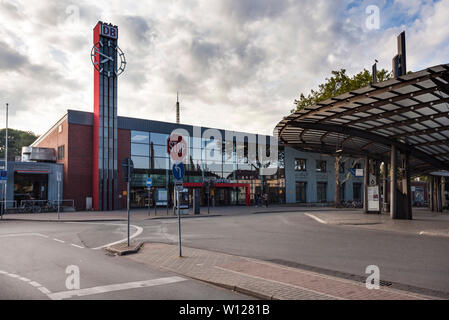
<point x="430" y="196"/>
<point x="393" y="184"/>
<point x="405" y="212"/>
<point x="365" y="184"/>
<point x="385" y="192"/>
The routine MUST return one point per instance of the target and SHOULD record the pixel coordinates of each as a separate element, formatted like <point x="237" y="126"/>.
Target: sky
<point x="237" y="64"/>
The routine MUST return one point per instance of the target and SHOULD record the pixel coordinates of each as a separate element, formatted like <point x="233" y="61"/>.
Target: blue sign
<point x="3" y="175"/>
<point x="149" y="182"/>
<point x="178" y="171"/>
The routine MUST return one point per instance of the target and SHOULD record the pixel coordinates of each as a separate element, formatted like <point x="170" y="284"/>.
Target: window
<point x="341" y="168"/>
<point x="357" y="191"/>
<point x="141" y="162"/>
<point x="159" y="139"/>
<point x="61" y="152"/>
<point x="300" y="164"/>
<point x="321" y="166"/>
<point x="138" y="149"/>
<point x="140" y="137"/>
<point x="358" y="166"/>
<point x="159" y="151"/>
<point x="301" y="191"/>
<point x="321" y="191"/>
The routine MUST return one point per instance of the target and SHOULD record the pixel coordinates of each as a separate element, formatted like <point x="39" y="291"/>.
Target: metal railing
<point x="36" y="206"/>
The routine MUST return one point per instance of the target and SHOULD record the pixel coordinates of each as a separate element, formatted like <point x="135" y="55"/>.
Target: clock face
<point x="108" y="59"/>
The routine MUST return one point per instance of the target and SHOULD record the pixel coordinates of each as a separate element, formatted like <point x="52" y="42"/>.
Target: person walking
<point x="266" y="200"/>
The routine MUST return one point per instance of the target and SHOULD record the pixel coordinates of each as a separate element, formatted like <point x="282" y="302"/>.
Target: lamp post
<point x="6" y="161"/>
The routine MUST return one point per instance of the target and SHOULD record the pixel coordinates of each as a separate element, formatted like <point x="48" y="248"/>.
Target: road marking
<point x="58" y="240"/>
<point x="35" y="284"/>
<point x="113" y="287"/>
<point x="23" y="234"/>
<point x="316" y="218"/>
<point x="138" y="232"/>
<point x="433" y="234"/>
<point x="77" y="246"/>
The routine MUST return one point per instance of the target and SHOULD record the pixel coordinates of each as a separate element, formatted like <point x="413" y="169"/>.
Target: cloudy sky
<point x="238" y="64"/>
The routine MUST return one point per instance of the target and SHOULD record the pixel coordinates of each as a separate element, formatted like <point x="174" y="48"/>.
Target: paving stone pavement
<point x="260" y="278"/>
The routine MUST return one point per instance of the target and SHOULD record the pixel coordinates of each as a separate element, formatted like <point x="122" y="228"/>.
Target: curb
<point x="237" y="289"/>
<point x="134" y="248"/>
<point x="183" y="217"/>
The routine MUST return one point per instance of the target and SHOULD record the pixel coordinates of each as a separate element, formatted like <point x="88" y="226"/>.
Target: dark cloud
<point x="10" y="59"/>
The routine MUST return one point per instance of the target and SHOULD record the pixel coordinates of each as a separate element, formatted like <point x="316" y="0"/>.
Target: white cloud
<point x="237" y="64"/>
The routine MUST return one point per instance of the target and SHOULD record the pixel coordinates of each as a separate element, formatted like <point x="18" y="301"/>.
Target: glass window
<point x="321" y="192"/>
<point x="342" y="191"/>
<point x="321" y="166"/>
<point x="140" y="136"/>
<point x="141" y="162"/>
<point x="159" y="138"/>
<point x="341" y="169"/>
<point x="300" y="164"/>
<point x="159" y="151"/>
<point x="161" y="163"/>
<point x="138" y="149"/>
<point x="61" y="152"/>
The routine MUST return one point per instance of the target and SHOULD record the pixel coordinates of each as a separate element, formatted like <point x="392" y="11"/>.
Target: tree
<point x="337" y="84"/>
<point x="16" y="140"/>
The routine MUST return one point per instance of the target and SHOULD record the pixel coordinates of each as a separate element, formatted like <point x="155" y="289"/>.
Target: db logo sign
<point x="176" y="148"/>
<point x="109" y="31"/>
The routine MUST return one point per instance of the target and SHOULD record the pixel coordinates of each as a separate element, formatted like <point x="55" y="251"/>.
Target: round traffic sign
<point x="149" y="183"/>
<point x="177" y="148"/>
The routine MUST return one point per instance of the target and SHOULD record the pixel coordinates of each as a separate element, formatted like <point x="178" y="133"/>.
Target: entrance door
<point x="301" y="188"/>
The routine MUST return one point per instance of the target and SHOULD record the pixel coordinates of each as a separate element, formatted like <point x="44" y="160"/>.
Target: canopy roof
<point x="411" y="112"/>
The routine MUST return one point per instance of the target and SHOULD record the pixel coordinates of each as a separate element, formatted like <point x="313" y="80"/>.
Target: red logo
<point x="176" y="148"/>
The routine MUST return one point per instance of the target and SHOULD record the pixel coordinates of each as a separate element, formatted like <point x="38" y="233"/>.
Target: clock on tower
<point x="109" y="62"/>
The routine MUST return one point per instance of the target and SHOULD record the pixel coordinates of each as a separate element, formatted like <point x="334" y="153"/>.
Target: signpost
<point x="3" y="179"/>
<point x="149" y="184"/>
<point x="128" y="166"/>
<point x="178" y="173"/>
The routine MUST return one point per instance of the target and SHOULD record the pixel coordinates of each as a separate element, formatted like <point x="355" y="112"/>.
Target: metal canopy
<point x="410" y="112"/>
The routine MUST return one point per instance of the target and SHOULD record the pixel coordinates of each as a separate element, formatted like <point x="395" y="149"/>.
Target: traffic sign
<point x="178" y="171"/>
<point x="149" y="183"/>
<point x="176" y="148"/>
<point x="179" y="186"/>
<point x="3" y="175"/>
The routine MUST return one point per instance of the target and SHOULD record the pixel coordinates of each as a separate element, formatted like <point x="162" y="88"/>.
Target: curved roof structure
<point x="411" y="112"/>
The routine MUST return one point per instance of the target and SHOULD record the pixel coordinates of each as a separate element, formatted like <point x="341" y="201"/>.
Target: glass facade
<point x="207" y="158"/>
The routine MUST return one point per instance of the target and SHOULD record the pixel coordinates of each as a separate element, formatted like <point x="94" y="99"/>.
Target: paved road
<point x="35" y="255"/>
<point x="421" y="261"/>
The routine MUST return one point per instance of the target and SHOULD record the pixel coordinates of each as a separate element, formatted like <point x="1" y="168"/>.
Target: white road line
<point x="315" y="218"/>
<point x="114" y="287"/>
<point x="35" y="284"/>
<point x="22" y="235"/>
<point x="59" y="240"/>
<point x="77" y="246"/>
<point x="138" y="232"/>
<point x="44" y="290"/>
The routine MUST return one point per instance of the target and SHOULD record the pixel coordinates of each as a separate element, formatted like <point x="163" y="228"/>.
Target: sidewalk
<point x="142" y="214"/>
<point x="261" y="279"/>
<point x="424" y="221"/>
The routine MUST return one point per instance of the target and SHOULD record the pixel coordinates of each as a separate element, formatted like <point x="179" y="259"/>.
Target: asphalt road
<point x="294" y="238"/>
<point x="41" y="252"/>
<point x="34" y="257"/>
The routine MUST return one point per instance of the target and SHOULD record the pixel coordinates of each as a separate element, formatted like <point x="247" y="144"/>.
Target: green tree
<point x="16" y="140"/>
<point x="337" y="84"/>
